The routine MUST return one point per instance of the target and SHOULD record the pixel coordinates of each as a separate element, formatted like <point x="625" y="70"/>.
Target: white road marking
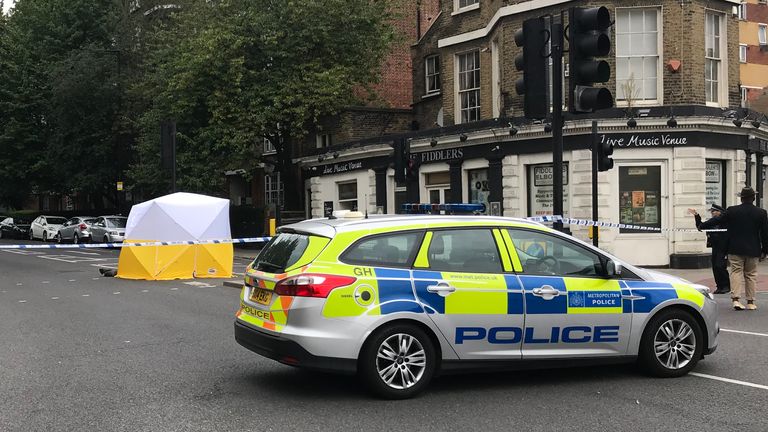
<point x="86" y="295"/>
<point x="19" y="284"/>
<point x="71" y="280"/>
<point x="728" y="380"/>
<point x="54" y="298"/>
<point x="46" y="282"/>
<point x="174" y="289"/>
<point x="22" y="301"/>
<point x="116" y="292"/>
<point x="71" y="259"/>
<point x="744" y="332"/>
<point x="144" y="290"/>
<point x="95" y="278"/>
<point x="200" y="284"/>
<point x="105" y="265"/>
<point x="127" y="341"/>
<point x="23" y="252"/>
<point x="85" y="253"/>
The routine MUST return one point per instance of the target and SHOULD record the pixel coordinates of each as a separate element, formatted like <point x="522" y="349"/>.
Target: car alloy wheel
<point x="672" y="343"/>
<point x="398" y="361"/>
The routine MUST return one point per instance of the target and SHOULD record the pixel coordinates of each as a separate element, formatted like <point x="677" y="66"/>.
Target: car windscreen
<point x="90" y="221"/>
<point x="116" y="222"/>
<point x="281" y="252"/>
<point x="52" y="220"/>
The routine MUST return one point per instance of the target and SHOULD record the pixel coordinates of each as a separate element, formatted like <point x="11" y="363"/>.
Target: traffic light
<point x="401" y="157"/>
<point x="604" y="160"/>
<point x="588" y="38"/>
<point x="412" y="168"/>
<point x="533" y="63"/>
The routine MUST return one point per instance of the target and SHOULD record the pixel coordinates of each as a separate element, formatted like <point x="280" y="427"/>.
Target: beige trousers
<point x="743" y="269"/>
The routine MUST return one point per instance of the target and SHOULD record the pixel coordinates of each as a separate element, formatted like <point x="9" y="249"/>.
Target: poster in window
<point x="714" y="182"/>
<point x="478" y="187"/>
<point x="540" y="194"/>
<point x="639" y="197"/>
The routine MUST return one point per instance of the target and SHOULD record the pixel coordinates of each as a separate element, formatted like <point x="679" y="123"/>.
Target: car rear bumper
<point x="289" y="352"/>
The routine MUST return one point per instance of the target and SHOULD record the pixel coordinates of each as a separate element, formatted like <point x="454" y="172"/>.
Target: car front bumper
<point x="288" y="352"/>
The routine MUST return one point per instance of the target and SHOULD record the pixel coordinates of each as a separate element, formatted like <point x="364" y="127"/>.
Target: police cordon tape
<point x="544" y="219"/>
<point x="126" y="244"/>
<point x="589" y="222"/>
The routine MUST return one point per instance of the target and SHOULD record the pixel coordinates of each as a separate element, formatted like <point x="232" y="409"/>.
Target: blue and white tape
<point x="127" y="244"/>
<point x="588" y="222"/>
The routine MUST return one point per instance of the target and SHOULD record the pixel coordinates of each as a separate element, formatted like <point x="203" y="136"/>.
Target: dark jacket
<point x="747" y="229"/>
<point x="715" y="240"/>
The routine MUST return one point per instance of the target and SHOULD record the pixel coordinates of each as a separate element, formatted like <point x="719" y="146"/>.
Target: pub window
<point x="478" y="187"/>
<point x="715" y="180"/>
<point x="540" y="196"/>
<point x="348" y="195"/>
<point x="401" y="196"/>
<point x="640" y="197"/>
<point x="438" y="187"/>
<point x="469" y="86"/>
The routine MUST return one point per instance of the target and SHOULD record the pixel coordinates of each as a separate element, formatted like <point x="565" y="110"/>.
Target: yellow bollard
<point x="272" y="226"/>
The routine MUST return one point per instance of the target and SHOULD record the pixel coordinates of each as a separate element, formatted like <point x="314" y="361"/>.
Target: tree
<point x="234" y="72"/>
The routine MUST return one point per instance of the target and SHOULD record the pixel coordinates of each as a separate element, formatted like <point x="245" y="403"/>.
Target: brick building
<point x="753" y="53"/>
<point x="675" y="71"/>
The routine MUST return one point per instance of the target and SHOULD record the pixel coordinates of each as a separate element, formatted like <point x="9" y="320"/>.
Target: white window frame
<point x="743" y="93"/>
<point x="742" y="11"/>
<point x="347" y="200"/>
<point x="742" y="53"/>
<point x="762" y="30"/>
<point x="323" y="140"/>
<point x="457" y="8"/>
<point x="435" y="59"/>
<point x="459" y="91"/>
<point x="268" y="147"/>
<point x="722" y="76"/>
<point x="274" y="187"/>
<point x="659" y="54"/>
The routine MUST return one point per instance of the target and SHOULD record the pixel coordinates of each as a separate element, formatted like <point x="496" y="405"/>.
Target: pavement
<point x="81" y="352"/>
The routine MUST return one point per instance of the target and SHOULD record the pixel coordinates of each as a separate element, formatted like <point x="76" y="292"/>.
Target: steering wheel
<point x="548" y="264"/>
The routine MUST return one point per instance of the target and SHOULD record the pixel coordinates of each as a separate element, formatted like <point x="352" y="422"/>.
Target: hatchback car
<point x="13" y="228"/>
<point x="398" y="299"/>
<point x="45" y="227"/>
<point x="109" y="229"/>
<point x="76" y="230"/>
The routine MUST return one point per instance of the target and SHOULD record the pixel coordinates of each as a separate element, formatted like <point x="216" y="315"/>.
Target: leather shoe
<point x="722" y="291"/>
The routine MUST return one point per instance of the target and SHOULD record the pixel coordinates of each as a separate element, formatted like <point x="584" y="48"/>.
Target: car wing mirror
<point x="613" y="268"/>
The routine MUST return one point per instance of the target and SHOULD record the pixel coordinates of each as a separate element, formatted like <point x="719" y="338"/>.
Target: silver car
<point x="108" y="229"/>
<point x="398" y="299"/>
<point x="76" y="230"/>
<point x="45" y="227"/>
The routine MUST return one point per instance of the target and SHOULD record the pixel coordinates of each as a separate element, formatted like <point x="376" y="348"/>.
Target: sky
<point x="8" y="4"/>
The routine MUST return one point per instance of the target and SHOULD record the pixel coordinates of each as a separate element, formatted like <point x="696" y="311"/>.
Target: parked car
<point x="13" y="228"/>
<point x="109" y="229"/>
<point x="45" y="227"/>
<point x="76" y="230"/>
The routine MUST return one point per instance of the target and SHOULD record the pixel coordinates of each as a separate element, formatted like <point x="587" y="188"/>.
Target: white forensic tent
<point x="177" y="217"/>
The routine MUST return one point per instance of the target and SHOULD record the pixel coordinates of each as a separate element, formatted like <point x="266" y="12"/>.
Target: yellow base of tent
<point x="175" y="262"/>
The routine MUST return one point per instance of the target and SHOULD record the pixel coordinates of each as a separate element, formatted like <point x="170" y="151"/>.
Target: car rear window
<point x="282" y="252"/>
<point x="393" y="250"/>
<point x="116" y="222"/>
<point x="55" y="220"/>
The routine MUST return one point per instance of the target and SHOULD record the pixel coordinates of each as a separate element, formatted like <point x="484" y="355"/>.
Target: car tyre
<point x="106" y="239"/>
<point x="398" y="361"/>
<point x="31" y="234"/>
<point x="57" y="237"/>
<point x="671" y="345"/>
<point x="75" y="239"/>
<point x="45" y="236"/>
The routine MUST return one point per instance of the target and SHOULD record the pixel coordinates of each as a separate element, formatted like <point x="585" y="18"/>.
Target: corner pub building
<point x="675" y="78"/>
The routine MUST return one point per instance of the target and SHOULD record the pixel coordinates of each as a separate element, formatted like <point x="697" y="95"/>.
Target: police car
<point x="399" y="299"/>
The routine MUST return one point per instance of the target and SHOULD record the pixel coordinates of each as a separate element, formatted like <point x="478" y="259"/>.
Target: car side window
<point x="541" y="253"/>
<point x="392" y="250"/>
<point x="464" y="250"/>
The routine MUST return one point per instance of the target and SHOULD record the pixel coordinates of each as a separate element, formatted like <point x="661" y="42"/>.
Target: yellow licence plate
<point x="261" y="296"/>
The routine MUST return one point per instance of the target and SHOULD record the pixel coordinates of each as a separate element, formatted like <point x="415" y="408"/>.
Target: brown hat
<point x="747" y="192"/>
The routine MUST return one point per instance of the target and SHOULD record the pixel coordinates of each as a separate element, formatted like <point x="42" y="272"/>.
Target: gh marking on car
<point x="398" y="299"/>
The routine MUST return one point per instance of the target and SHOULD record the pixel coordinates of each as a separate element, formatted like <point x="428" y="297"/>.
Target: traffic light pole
<point x="556" y="33"/>
<point x="595" y="150"/>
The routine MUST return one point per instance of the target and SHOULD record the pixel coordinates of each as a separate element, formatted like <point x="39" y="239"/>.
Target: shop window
<point x="540" y="196"/>
<point x="640" y="197"/>
<point x="473" y="250"/>
<point x="715" y="179"/>
<point x="478" y="187"/>
<point x="637" y="54"/>
<point x="438" y="187"/>
<point x="348" y="196"/>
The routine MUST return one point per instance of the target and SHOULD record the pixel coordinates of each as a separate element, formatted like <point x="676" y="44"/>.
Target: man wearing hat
<point x="747" y="244"/>
<point x="718" y="241"/>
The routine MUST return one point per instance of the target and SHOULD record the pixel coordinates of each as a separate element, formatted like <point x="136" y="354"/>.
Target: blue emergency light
<point x="446" y="208"/>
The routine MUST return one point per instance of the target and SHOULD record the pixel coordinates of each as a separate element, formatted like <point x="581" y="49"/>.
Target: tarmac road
<point x="80" y="352"/>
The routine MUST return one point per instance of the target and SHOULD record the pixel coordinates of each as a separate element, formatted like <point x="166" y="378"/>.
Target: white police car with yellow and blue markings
<point x="398" y="299"/>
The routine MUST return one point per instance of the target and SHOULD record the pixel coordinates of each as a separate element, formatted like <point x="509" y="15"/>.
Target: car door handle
<point x="547" y="292"/>
<point x="441" y="288"/>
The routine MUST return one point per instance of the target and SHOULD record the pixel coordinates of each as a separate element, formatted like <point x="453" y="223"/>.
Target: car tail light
<point x="83" y="227"/>
<point x="312" y="285"/>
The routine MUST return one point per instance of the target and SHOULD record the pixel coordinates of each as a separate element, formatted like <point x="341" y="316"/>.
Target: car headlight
<point x="114" y="232"/>
<point x="704" y="290"/>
